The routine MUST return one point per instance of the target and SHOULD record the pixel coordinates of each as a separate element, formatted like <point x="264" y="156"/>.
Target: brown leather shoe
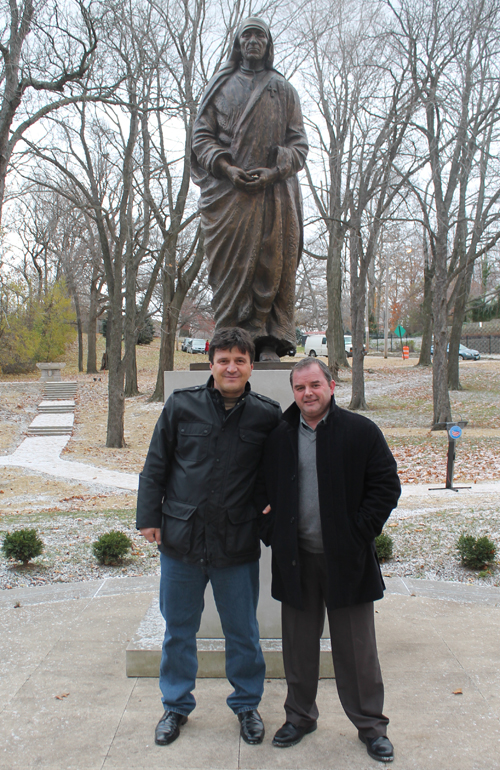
<point x="167" y="729"/>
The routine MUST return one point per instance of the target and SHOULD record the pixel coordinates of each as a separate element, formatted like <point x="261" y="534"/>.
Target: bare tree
<point x="363" y="91"/>
<point x="44" y="47"/>
<point x="452" y="49"/>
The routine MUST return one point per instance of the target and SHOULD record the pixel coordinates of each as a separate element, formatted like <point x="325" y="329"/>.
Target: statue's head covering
<point x="234" y="59"/>
<point x="253" y="22"/>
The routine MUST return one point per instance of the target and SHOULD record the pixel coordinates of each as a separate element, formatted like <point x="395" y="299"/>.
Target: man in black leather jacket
<point x="196" y="501"/>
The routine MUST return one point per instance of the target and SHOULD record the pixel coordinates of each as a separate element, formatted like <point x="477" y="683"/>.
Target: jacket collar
<point x="292" y="414"/>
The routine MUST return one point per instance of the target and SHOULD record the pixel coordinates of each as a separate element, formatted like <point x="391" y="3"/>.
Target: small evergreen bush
<point x="474" y="552"/>
<point x="22" y="545"/>
<point x="146" y="333"/>
<point x="384" y="544"/>
<point x="111" y="547"/>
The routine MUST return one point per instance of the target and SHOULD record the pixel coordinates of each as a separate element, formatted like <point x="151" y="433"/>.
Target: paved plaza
<point x="66" y="702"/>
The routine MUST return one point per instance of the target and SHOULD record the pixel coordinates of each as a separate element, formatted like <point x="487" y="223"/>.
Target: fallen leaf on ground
<point x="457" y="692"/>
<point x="63" y="695"/>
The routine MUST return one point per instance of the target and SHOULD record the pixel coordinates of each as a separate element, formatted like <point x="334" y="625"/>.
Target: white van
<point x="316" y="345"/>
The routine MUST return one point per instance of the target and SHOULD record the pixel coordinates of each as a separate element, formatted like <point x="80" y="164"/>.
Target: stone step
<point x="142" y="662"/>
<point x="53" y="421"/>
<point x="62" y="384"/>
<point x="60" y="396"/>
<point x="55" y="409"/>
<point x="60" y="390"/>
<point x="52" y="425"/>
<point x="46" y="431"/>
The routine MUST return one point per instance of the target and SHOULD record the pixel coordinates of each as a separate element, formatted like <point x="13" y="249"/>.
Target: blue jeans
<point x="236" y="594"/>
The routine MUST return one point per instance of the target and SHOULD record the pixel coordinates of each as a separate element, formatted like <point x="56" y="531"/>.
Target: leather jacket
<point x="198" y="480"/>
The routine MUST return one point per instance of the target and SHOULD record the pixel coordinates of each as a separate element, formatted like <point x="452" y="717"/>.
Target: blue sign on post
<point x="455" y="432"/>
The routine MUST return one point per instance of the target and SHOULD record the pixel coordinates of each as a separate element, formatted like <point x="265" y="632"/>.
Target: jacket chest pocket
<point x="193" y="440"/>
<point x="249" y="450"/>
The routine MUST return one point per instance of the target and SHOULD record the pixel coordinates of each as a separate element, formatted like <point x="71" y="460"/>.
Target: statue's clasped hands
<point x="259" y="178"/>
<point x="250" y="181"/>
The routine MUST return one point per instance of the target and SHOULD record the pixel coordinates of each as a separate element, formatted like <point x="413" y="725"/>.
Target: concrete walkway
<point x="42" y="454"/>
<point x="66" y="702"/>
<point x="49" y="432"/>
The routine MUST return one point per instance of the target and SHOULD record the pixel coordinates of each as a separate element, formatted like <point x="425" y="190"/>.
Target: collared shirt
<point x="309" y="525"/>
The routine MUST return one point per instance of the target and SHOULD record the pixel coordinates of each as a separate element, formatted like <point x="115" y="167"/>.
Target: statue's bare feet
<point x="268" y="354"/>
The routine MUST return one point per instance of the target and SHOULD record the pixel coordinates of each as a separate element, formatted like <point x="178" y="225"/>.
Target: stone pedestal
<point x="144" y="650"/>
<point x="51" y="372"/>
<point x="274" y="383"/>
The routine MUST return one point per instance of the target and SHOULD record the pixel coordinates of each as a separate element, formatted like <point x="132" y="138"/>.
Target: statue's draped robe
<point x="253" y="241"/>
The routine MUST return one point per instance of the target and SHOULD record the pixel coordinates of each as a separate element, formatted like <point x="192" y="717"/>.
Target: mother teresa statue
<point x="248" y="145"/>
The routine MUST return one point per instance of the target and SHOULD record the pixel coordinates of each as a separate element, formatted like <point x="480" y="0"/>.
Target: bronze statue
<point x="248" y="145"/>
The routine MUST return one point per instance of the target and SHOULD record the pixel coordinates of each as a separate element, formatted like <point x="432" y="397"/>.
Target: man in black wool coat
<point x="331" y="483"/>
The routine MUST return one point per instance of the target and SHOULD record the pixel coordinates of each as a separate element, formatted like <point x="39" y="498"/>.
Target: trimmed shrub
<point x="22" y="545"/>
<point x="475" y="553"/>
<point x="111" y="547"/>
<point x="384" y="544"/>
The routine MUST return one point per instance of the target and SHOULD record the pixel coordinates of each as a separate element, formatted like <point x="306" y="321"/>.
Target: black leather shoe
<point x="167" y="729"/>
<point x="252" y="727"/>
<point x="379" y="748"/>
<point x="290" y="735"/>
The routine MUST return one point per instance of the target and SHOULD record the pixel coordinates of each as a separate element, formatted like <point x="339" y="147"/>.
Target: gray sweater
<point x="309" y="525"/>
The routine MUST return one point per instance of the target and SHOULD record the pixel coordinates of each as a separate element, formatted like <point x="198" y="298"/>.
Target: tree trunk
<point x="80" y="342"/>
<point x="173" y="298"/>
<point x="425" y="349"/>
<point x="335" y="332"/>
<point x="456" y="328"/>
<point x="131" y="385"/>
<point x="131" y="331"/>
<point x="116" y="395"/>
<point x="167" y="349"/>
<point x="79" y="327"/>
<point x="358" y="400"/>
<point x="92" y="330"/>
<point x="358" y="299"/>
<point x="441" y="398"/>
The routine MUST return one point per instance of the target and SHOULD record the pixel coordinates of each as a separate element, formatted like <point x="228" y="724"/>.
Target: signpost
<point x="454" y="430"/>
<point x="400" y="332"/>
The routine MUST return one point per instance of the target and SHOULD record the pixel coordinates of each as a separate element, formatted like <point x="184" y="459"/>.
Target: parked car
<point x="467" y="354"/>
<point x="185" y="344"/>
<point x="197" y="346"/>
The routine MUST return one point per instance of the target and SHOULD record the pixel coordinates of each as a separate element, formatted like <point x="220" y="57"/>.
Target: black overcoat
<point x="358" y="488"/>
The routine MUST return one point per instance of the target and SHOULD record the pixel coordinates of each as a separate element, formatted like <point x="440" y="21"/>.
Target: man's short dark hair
<point x="304" y="363"/>
<point x="233" y="337"/>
